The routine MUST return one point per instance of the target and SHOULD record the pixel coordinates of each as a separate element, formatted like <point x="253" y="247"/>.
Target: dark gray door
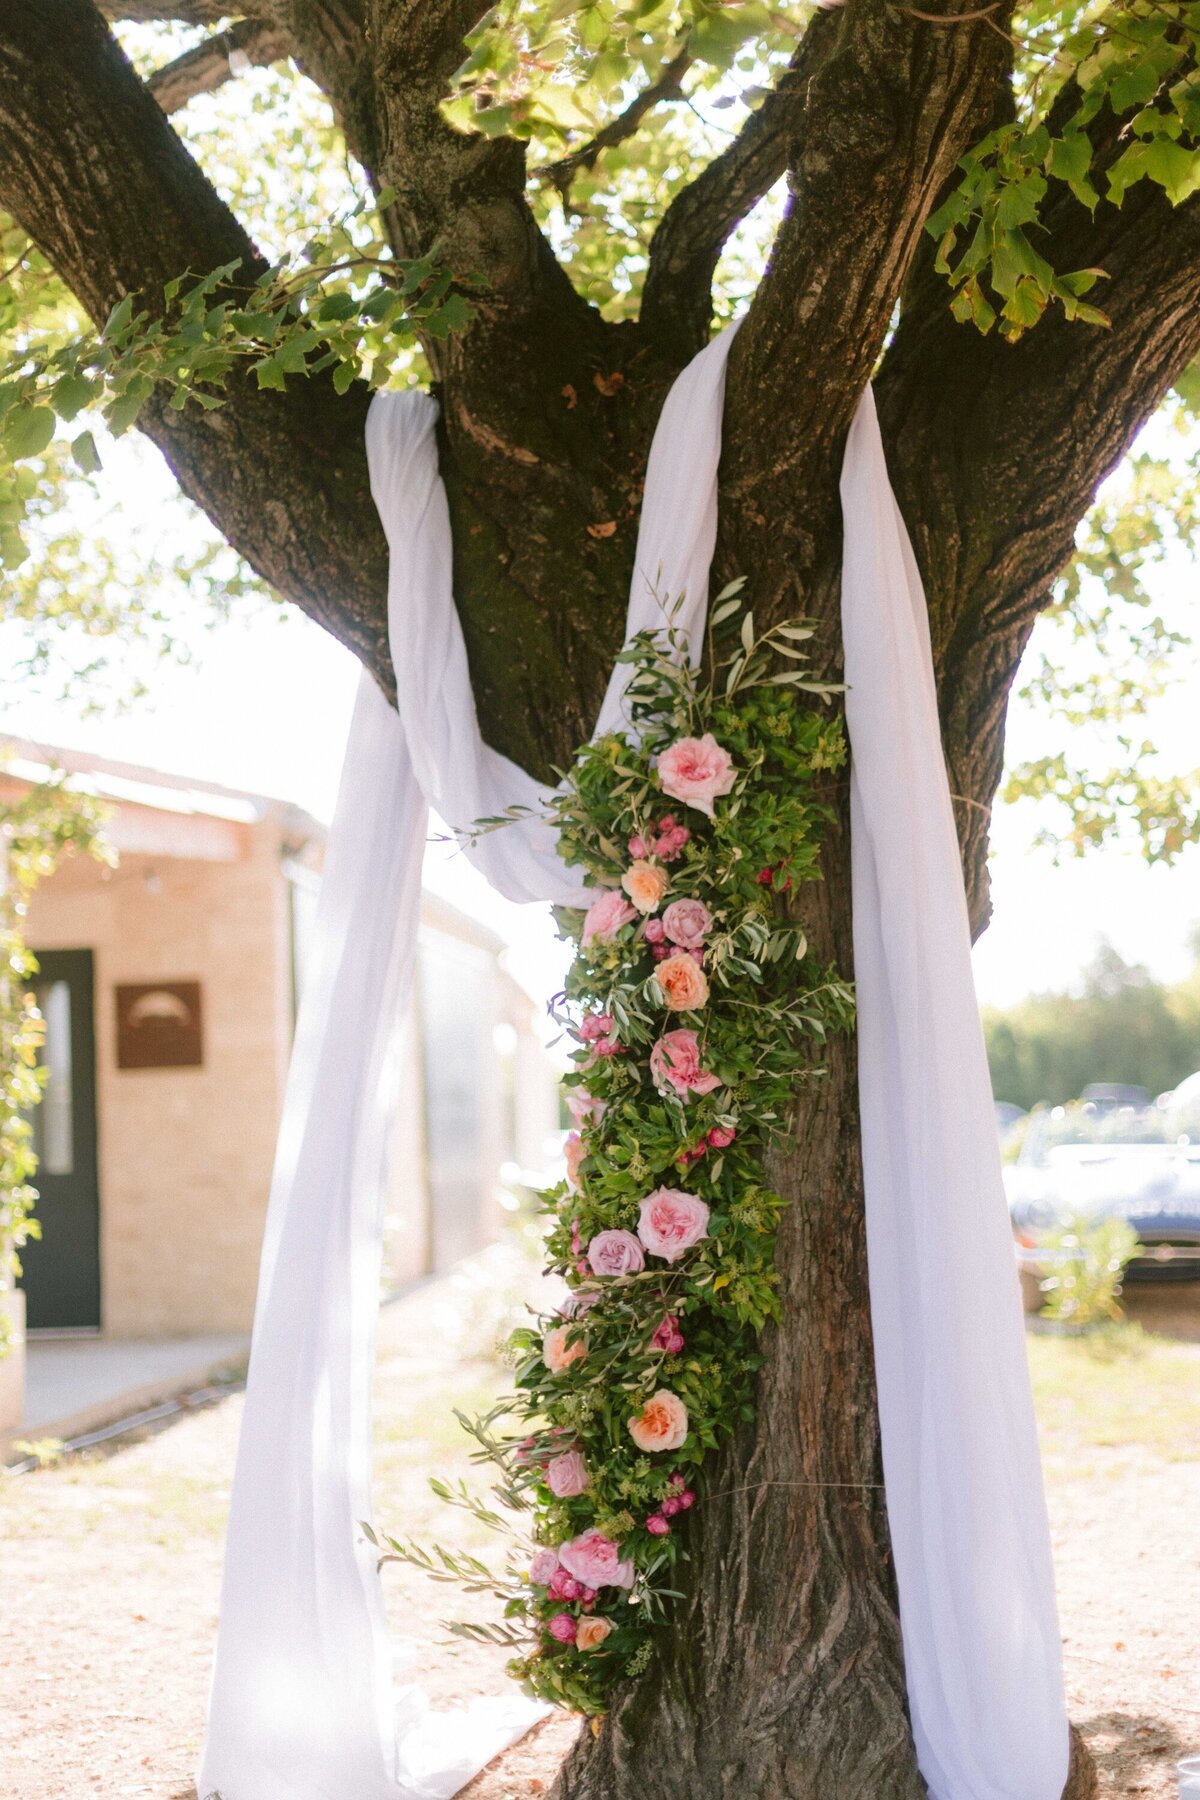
<point x="62" y="1269"/>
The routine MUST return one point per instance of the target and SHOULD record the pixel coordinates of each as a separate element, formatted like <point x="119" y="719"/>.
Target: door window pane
<point x="54" y="1123"/>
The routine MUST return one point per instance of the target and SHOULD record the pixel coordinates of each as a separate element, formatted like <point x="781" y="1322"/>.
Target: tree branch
<point x="668" y="86"/>
<point x="92" y="170"/>
<point x="996" y="449"/>
<point x="175" y="12"/>
<point x="677" y="293"/>
<point x="207" y="66"/>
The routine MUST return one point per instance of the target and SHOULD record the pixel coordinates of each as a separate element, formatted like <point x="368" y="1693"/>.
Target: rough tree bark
<point x="783" y="1677"/>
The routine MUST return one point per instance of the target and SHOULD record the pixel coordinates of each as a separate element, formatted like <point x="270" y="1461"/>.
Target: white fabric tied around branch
<point x="303" y="1706"/>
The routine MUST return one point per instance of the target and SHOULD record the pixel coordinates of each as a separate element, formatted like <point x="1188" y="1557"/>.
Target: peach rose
<point x="592" y="1633"/>
<point x="682" y="983"/>
<point x="574" y="1153"/>
<point x="662" y="1423"/>
<point x="605" y="917"/>
<point x="671" y="1222"/>
<point x="697" y="771"/>
<point x="557" y="1353"/>
<point x="646" y="883"/>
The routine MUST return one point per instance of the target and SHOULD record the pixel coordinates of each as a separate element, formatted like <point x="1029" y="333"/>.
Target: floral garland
<point x="694" y="1007"/>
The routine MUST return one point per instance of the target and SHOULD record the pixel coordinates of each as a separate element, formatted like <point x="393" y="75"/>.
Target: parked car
<point x="1103" y="1159"/>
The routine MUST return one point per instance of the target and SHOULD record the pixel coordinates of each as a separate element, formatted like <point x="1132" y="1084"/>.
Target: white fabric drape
<point x="982" y="1652"/>
<point x="303" y="1706"/>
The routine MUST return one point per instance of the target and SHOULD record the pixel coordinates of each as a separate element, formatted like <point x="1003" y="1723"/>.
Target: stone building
<point x="169" y="985"/>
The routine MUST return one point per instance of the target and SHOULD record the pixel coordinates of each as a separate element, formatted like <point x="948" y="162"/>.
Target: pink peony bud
<point x="668" y="1337"/>
<point x="654" y="931"/>
<point x="668" y="822"/>
<point x="721" y="1136"/>
<point x="638" y="847"/>
<point x="657" y="1525"/>
<point x="563" y="1627"/>
<point x="669" y="1507"/>
<point x="764" y="877"/>
<point x="687" y="1498"/>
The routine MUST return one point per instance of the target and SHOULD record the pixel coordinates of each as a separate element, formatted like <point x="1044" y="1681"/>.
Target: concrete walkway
<point x="75" y="1385"/>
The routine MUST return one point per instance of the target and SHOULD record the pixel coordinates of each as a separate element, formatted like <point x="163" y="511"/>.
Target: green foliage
<point x="1124" y="1027"/>
<point x="1135" y="61"/>
<point x="1086" y="1260"/>
<point x="759" y="1022"/>
<point x="36" y="830"/>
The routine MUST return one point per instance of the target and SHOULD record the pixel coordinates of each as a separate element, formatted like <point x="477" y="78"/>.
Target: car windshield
<point x="1085" y="1124"/>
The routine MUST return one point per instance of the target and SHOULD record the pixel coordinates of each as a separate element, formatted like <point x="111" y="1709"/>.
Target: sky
<point x="265" y="701"/>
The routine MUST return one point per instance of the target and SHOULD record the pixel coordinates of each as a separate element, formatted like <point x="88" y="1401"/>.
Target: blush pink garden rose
<point x="646" y="883"/>
<point x="606" y="916"/>
<point x="662" y="1424"/>
<point x="583" y="1107"/>
<point x="567" y="1475"/>
<point x="615" y="1253"/>
<point x="671" y="1222"/>
<point x="595" y="1560"/>
<point x="675" y="1063"/>
<point x="697" y="771"/>
<point x="574" y="1153"/>
<point x="557" y="1353"/>
<point x="543" y="1568"/>
<point x="564" y="1628"/>
<point x="682" y="983"/>
<point x="592" y="1633"/>
<point x="687" y="923"/>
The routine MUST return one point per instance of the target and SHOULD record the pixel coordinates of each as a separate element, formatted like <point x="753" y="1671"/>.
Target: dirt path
<point x="109" y="1567"/>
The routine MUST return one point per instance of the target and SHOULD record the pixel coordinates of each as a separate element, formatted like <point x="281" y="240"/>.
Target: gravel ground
<point x="109" y="1565"/>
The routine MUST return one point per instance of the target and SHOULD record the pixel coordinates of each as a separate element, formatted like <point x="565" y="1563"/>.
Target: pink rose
<point x="638" y="847"/>
<point x="646" y="883"/>
<point x="682" y="983"/>
<point x="606" y="916"/>
<point x="687" y="923"/>
<point x="657" y="1525"/>
<point x="558" y="1353"/>
<point x="669" y="843"/>
<point x="615" y="1253"/>
<point x="584" y="1110"/>
<point x="653" y="931"/>
<point x="563" y="1627"/>
<point x="596" y="1560"/>
<point x="592" y="1633"/>
<point x="563" y="1585"/>
<point x="721" y="1136"/>
<point x="574" y="1153"/>
<point x="675" y="1063"/>
<point x="668" y="1337"/>
<point x="566" y="1475"/>
<point x="697" y="771"/>
<point x="543" y="1568"/>
<point x="671" y="1222"/>
<point x="662" y="1424"/>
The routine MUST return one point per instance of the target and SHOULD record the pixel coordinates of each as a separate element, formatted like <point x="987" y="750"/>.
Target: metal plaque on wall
<point x="159" y="1025"/>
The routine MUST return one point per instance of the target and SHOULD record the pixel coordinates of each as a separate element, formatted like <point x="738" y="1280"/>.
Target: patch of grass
<point x="1117" y="1388"/>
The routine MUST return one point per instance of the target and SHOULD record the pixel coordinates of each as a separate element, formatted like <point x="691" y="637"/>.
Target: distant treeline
<point x="1123" y="1026"/>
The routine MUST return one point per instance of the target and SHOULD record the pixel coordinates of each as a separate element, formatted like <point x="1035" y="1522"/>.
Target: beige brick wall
<point x="185" y="1154"/>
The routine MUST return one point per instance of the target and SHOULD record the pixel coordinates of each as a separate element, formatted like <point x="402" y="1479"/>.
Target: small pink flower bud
<point x="657" y="1525"/>
<point x="687" y="1498"/>
<point x="638" y="847"/>
<point x="721" y="1136"/>
<point x="765" y="877"/>
<point x="669" y="1507"/>
<point x="563" y="1627"/>
<point x="654" y="930"/>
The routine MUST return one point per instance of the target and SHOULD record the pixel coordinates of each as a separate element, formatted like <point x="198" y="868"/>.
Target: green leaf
<point x="83" y="449"/>
<point x="1175" y="168"/>
<point x="28" y="431"/>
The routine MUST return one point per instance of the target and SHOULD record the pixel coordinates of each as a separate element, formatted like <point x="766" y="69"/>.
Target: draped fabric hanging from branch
<point x="304" y="1703"/>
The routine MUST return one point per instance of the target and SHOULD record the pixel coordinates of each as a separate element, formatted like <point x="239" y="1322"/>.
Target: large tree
<point x="552" y="167"/>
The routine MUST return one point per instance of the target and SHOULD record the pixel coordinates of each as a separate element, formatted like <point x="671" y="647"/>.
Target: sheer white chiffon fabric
<point x="304" y="1702"/>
